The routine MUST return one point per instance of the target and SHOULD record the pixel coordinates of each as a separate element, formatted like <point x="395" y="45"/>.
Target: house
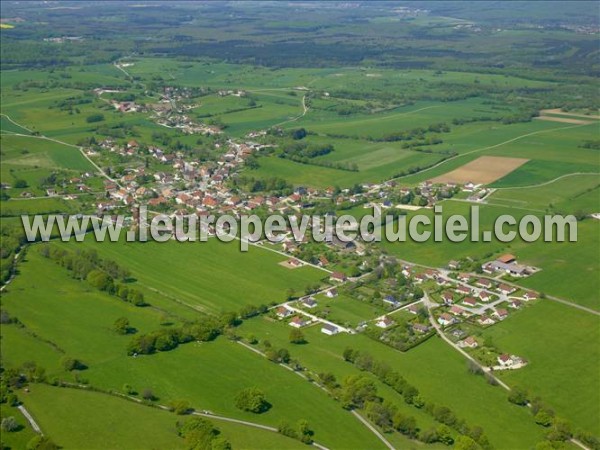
<point x="293" y="262"/>
<point x="447" y="298"/>
<point x="507" y="259"/>
<point x="486" y="320"/>
<point x="338" y="276"/>
<point x="384" y="322"/>
<point x="469" y="342"/>
<point x="446" y="319"/>
<point x="420" y="277"/>
<point x="332" y="293"/>
<point x="431" y="274"/>
<point x="329" y="330"/>
<point x="463" y="290"/>
<point x="323" y="261"/>
<point x="289" y="247"/>
<point x="485" y="296"/>
<point x="283" y="312"/>
<point x="514" y="269"/>
<point x="390" y="300"/>
<point x="413" y="309"/>
<point x="453" y="265"/>
<point x="505" y="360"/>
<point x="298" y="322"/>
<point x="420" y="328"/>
<point x="515" y="304"/>
<point x="529" y="295"/>
<point x="501" y="314"/>
<point x="470" y="301"/>
<point x="309" y="302"/>
<point x="464" y="277"/>
<point x="506" y="289"/>
<point x="484" y="283"/>
<point x="458" y="311"/>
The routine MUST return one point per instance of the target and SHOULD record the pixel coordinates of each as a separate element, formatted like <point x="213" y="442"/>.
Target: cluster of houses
<point x="299" y="320"/>
<point x="508" y="264"/>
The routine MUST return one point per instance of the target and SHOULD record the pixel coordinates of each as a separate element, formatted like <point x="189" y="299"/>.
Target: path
<point x="373" y="429"/>
<point x="41" y="136"/>
<point x="574" y="174"/>
<point x="304" y="111"/>
<point x="323" y="388"/>
<point x="30" y="419"/>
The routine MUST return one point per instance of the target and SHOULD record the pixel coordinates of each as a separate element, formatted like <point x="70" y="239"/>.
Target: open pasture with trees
<point x="200" y="274"/>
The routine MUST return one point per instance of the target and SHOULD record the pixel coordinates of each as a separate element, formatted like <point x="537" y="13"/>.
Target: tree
<point x="349" y="354"/>
<point x="357" y="390"/>
<point x="380" y="414"/>
<point x="94" y="118"/>
<point x="21" y="184"/>
<point x="200" y="434"/>
<point x="9" y="424"/>
<point x="465" y="443"/>
<point x="518" y="396"/>
<point x="121" y="325"/>
<point x="148" y="394"/>
<point x="70" y="364"/>
<point x="180" y="407"/>
<point x="445" y="435"/>
<point x="305" y="432"/>
<point x="406" y="425"/>
<point x="252" y="399"/>
<point x="296" y="336"/>
<point x="41" y="443"/>
<point x="543" y="418"/>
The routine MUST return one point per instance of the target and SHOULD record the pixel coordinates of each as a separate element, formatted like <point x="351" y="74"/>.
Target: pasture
<point x="212" y="276"/>
<point x="438" y="371"/>
<point x="560" y="344"/>
<point x="84" y="419"/>
<point x="568" y="194"/>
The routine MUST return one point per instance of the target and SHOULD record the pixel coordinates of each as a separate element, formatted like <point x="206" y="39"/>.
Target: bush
<point x="252" y="399"/>
<point x="94" y="118"/>
<point x="9" y="424"/>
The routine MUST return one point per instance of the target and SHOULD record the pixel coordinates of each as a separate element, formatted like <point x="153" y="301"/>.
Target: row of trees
<point x="360" y="391"/>
<point x="203" y="330"/>
<point x="98" y="272"/>
<point x="559" y="430"/>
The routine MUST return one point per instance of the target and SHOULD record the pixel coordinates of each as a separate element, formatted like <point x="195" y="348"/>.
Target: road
<point x="41" y="136"/>
<point x="441" y="334"/>
<point x="373" y="429"/>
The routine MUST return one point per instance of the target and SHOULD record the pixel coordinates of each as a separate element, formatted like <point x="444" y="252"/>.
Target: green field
<point x="72" y="416"/>
<point x="212" y="275"/>
<point x="560" y="344"/>
<point x="435" y="369"/>
<point x="567" y="195"/>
